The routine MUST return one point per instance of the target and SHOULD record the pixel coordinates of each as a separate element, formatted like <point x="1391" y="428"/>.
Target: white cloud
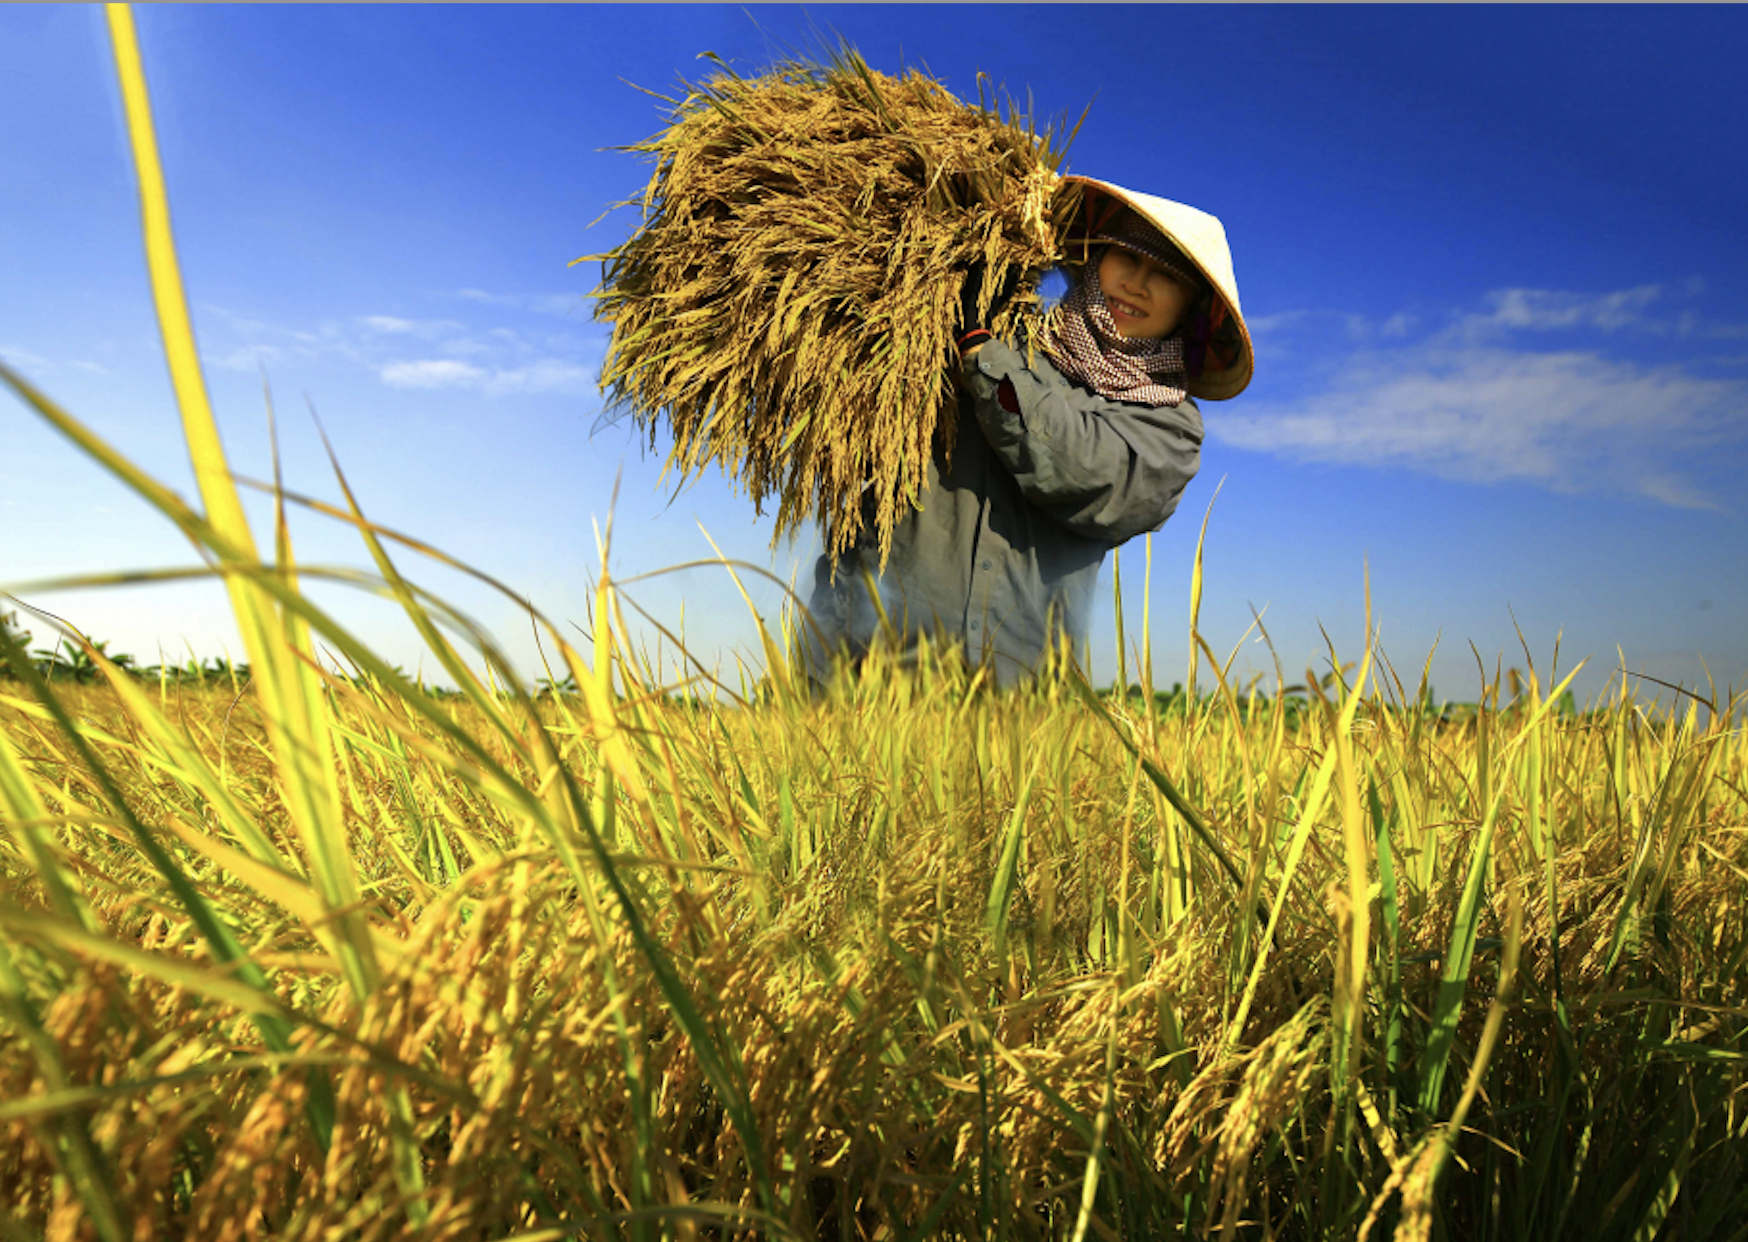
<point x="1546" y="308"/>
<point x="1642" y="309"/>
<point x="240" y="323"/>
<point x="1675" y="491"/>
<point x="23" y="360"/>
<point x="431" y="373"/>
<point x="540" y="303"/>
<point x="255" y="341"/>
<point x="1650" y="310"/>
<point x="1475" y="399"/>
<point x="424" y="329"/>
<point x="387" y="323"/>
<point x="1271" y="325"/>
<point x="244" y="357"/>
<point x="1569" y="421"/>
<point x="495" y="360"/>
<point x="548" y="375"/>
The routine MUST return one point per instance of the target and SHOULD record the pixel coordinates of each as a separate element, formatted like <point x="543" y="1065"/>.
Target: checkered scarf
<point x="1081" y="338"/>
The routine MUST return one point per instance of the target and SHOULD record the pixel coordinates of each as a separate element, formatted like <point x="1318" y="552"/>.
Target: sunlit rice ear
<point x="758" y="313"/>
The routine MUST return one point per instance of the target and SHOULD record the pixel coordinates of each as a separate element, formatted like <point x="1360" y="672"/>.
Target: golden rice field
<point x="913" y="961"/>
<point x="325" y="955"/>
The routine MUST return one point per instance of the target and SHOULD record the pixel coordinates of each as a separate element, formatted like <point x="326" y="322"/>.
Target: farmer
<point x="1063" y="451"/>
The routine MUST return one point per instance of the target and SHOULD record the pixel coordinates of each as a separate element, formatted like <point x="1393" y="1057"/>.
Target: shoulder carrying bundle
<point x="790" y="301"/>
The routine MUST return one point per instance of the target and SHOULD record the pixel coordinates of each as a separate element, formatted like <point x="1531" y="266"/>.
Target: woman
<point x="1065" y="449"/>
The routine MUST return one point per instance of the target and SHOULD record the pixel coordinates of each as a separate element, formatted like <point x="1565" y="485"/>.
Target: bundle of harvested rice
<point x="790" y="302"/>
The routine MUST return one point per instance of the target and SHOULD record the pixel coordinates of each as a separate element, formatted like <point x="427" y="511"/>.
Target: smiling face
<point x="1145" y="299"/>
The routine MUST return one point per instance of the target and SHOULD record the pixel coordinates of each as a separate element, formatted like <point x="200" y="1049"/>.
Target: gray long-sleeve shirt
<point x="1006" y="547"/>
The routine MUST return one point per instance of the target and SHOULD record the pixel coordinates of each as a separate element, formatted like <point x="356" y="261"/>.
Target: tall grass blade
<point x="1459" y="957"/>
<point x="1007" y="867"/>
<point x="279" y="650"/>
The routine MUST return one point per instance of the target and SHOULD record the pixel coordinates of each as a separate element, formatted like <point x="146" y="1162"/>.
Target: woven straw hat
<point x="1202" y="238"/>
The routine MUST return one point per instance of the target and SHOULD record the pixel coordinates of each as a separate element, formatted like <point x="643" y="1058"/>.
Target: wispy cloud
<point x="545" y="376"/>
<point x="387" y="323"/>
<point x="1273" y="325"/>
<point x="1546" y="308"/>
<point x="246" y="357"/>
<point x="1654" y="310"/>
<point x="494" y="360"/>
<point x="31" y="361"/>
<point x="1663" y="311"/>
<point x="431" y="373"/>
<point x="244" y="342"/>
<point x="425" y="329"/>
<point x="1472" y="402"/>
<point x="539" y="303"/>
<point x="23" y="359"/>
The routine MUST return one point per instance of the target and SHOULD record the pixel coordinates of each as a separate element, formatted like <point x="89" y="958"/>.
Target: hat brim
<point x="1201" y="237"/>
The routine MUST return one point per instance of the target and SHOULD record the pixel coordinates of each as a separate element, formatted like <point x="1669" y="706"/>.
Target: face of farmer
<point x="1145" y="299"/>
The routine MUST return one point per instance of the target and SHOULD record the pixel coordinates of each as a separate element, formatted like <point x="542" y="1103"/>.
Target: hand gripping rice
<point x="789" y="303"/>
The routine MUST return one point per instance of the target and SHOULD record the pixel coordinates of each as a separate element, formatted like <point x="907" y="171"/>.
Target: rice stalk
<point x="787" y="306"/>
<point x="909" y="961"/>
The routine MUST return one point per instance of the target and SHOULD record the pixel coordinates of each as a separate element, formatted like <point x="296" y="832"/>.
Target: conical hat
<point x="1203" y="239"/>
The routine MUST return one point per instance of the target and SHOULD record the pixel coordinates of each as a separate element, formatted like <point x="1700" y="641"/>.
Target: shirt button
<point x="974" y="625"/>
<point x="986" y="564"/>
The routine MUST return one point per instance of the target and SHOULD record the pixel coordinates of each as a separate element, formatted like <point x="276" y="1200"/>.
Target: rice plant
<point x="667" y="955"/>
<point x="787" y="305"/>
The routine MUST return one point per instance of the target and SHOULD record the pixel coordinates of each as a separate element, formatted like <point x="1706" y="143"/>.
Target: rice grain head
<point x="789" y="304"/>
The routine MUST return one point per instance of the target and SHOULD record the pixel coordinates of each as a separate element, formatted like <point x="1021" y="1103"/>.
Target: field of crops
<point x="912" y="961"/>
<point x="307" y="951"/>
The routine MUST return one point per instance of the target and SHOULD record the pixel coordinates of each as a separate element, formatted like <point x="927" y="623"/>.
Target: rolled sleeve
<point x="1106" y="470"/>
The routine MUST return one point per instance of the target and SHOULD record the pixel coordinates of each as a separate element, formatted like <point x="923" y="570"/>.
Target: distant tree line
<point x="69" y="661"/>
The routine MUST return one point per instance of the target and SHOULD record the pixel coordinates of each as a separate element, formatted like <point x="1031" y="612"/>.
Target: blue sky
<point x="1492" y="257"/>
